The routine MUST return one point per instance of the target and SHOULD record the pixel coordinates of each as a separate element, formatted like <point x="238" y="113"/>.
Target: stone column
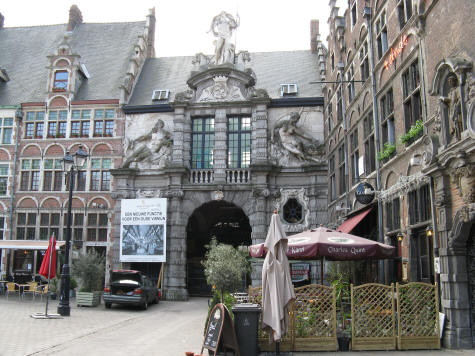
<point x="259" y="223"/>
<point x="175" y="268"/>
<point x="220" y="146"/>
<point x="178" y="137"/>
<point x="259" y="134"/>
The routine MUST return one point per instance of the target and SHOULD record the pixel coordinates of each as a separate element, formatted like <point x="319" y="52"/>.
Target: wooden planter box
<point x="88" y="299"/>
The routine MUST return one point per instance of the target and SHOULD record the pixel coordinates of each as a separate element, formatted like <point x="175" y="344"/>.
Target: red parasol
<point x="48" y="265"/>
<point x="330" y="244"/>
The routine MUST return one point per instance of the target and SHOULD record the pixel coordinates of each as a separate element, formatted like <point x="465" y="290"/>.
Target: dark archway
<point x="221" y="219"/>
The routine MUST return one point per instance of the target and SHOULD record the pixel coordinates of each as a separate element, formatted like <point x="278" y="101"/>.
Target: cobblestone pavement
<point x="166" y="329"/>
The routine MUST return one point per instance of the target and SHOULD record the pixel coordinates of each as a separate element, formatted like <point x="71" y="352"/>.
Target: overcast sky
<point x="182" y="25"/>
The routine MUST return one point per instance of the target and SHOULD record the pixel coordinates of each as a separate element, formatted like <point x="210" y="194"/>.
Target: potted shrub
<point x="53" y="287"/>
<point x="88" y="268"/>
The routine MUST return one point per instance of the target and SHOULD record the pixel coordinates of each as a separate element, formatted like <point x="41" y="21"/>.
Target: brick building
<point x="405" y="127"/>
<point x="62" y="87"/>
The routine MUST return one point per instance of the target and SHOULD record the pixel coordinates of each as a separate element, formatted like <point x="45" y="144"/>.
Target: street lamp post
<point x="71" y="165"/>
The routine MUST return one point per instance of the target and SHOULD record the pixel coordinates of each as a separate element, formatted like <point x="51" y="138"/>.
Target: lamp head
<point x="80" y="158"/>
<point x="68" y="161"/>
<point x="429" y="231"/>
<point x="400" y="236"/>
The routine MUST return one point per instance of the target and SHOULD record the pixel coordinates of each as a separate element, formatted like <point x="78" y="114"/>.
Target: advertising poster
<point x="143" y="230"/>
<point x="300" y="272"/>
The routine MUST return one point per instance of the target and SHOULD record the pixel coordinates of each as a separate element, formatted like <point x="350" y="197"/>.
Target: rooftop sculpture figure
<point x="222" y="27"/>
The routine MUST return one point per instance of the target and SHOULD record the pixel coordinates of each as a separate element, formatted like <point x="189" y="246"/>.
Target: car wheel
<point x="108" y="305"/>
<point x="145" y="305"/>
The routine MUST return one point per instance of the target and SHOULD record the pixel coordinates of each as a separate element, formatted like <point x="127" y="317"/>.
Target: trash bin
<point x="246" y="319"/>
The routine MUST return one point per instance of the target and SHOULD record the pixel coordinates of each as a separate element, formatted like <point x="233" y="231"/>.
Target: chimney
<point x="2" y="20"/>
<point x="151" y="33"/>
<point x="75" y="18"/>
<point x="313" y="35"/>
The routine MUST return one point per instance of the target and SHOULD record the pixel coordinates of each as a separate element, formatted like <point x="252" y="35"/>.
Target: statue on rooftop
<point x="222" y="27"/>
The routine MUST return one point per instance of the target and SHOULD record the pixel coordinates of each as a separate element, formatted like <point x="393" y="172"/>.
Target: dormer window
<point x="288" y="89"/>
<point x="61" y="80"/>
<point x="160" y="95"/>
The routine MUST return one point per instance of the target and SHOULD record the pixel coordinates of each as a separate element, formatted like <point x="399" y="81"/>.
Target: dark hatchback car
<point x="129" y="287"/>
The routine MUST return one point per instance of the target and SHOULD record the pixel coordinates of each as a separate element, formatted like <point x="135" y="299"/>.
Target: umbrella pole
<point x="49" y="277"/>
<point x="321" y="270"/>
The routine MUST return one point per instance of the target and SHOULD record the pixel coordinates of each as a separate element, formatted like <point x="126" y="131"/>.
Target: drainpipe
<point x="367" y="15"/>
<point x="18" y="120"/>
<point x="341" y="67"/>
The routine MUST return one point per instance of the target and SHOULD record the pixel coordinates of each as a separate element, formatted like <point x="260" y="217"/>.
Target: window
<point x="160" y="95"/>
<point x="341" y="170"/>
<point x="353" y="14"/>
<point x="293" y="211"/>
<point x="80" y="123"/>
<point x="364" y="62"/>
<point x="6" y="130"/>
<point x="100" y="174"/>
<point x="103" y="126"/>
<point x="49" y="225"/>
<point x="61" y="80"/>
<point x="350" y="76"/>
<point x="53" y="175"/>
<point x="419" y="205"/>
<point x="202" y="146"/>
<point x="97" y="227"/>
<point x="35" y="124"/>
<point x="370" y="154"/>
<point x="239" y="142"/>
<point x="381" y="35"/>
<point x="412" y="96"/>
<point x="404" y="11"/>
<point x="77" y="226"/>
<point x="393" y="217"/>
<point x="3" y="179"/>
<point x="355" y="174"/>
<point x="30" y="174"/>
<point x="57" y="121"/>
<point x="331" y="171"/>
<point x="2" y="227"/>
<point x="339" y="105"/>
<point x="26" y="226"/>
<point x="387" y="118"/>
<point x="288" y="89"/>
<point x="330" y="116"/>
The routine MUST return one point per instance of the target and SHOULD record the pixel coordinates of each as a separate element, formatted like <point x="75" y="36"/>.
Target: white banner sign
<point x="143" y="230"/>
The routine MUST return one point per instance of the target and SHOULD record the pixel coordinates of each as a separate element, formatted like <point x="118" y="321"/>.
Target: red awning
<point x="349" y="225"/>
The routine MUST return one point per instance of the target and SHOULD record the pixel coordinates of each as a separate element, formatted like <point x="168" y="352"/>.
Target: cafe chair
<point x="13" y="288"/>
<point x="31" y="289"/>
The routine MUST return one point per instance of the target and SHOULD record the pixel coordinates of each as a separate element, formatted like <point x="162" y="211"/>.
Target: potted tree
<point x="53" y="287"/>
<point x="88" y="268"/>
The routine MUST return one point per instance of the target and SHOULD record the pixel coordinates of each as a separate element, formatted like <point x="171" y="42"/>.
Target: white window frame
<point x="160" y="94"/>
<point x="288" y="89"/>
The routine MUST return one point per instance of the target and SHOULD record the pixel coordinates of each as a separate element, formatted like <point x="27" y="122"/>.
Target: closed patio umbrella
<point x="277" y="288"/>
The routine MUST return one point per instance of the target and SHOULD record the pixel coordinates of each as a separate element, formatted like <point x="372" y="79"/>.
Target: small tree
<point x="224" y="267"/>
<point x="89" y="269"/>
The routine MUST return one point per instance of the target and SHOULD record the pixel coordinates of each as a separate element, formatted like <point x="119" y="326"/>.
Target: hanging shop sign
<point x="300" y="272"/>
<point x="364" y="193"/>
<point x="143" y="230"/>
<point x="394" y="52"/>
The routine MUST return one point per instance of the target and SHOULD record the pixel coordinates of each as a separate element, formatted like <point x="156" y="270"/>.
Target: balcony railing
<point x="236" y="176"/>
<point x="202" y="176"/>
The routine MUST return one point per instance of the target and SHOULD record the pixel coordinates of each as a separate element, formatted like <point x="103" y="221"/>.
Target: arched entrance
<point x="220" y="219"/>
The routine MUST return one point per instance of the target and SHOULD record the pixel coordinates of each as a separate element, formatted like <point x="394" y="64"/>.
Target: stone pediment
<point x="222" y="83"/>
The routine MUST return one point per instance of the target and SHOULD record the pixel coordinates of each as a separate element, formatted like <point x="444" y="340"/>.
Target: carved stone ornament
<point x="186" y="95"/>
<point x="464" y="179"/>
<point x="150" y="150"/>
<point x="218" y="195"/>
<point x="260" y="192"/>
<point x="173" y="194"/>
<point x="148" y="193"/>
<point x="221" y="91"/>
<point x="470" y="95"/>
<point x="291" y="145"/>
<point x="299" y="195"/>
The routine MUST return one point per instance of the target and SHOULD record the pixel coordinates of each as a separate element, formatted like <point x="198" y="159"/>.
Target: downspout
<point x="367" y="14"/>
<point x="19" y="118"/>
<point x="341" y="67"/>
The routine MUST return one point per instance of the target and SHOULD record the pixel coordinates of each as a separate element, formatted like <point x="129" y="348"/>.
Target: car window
<point x="125" y="278"/>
